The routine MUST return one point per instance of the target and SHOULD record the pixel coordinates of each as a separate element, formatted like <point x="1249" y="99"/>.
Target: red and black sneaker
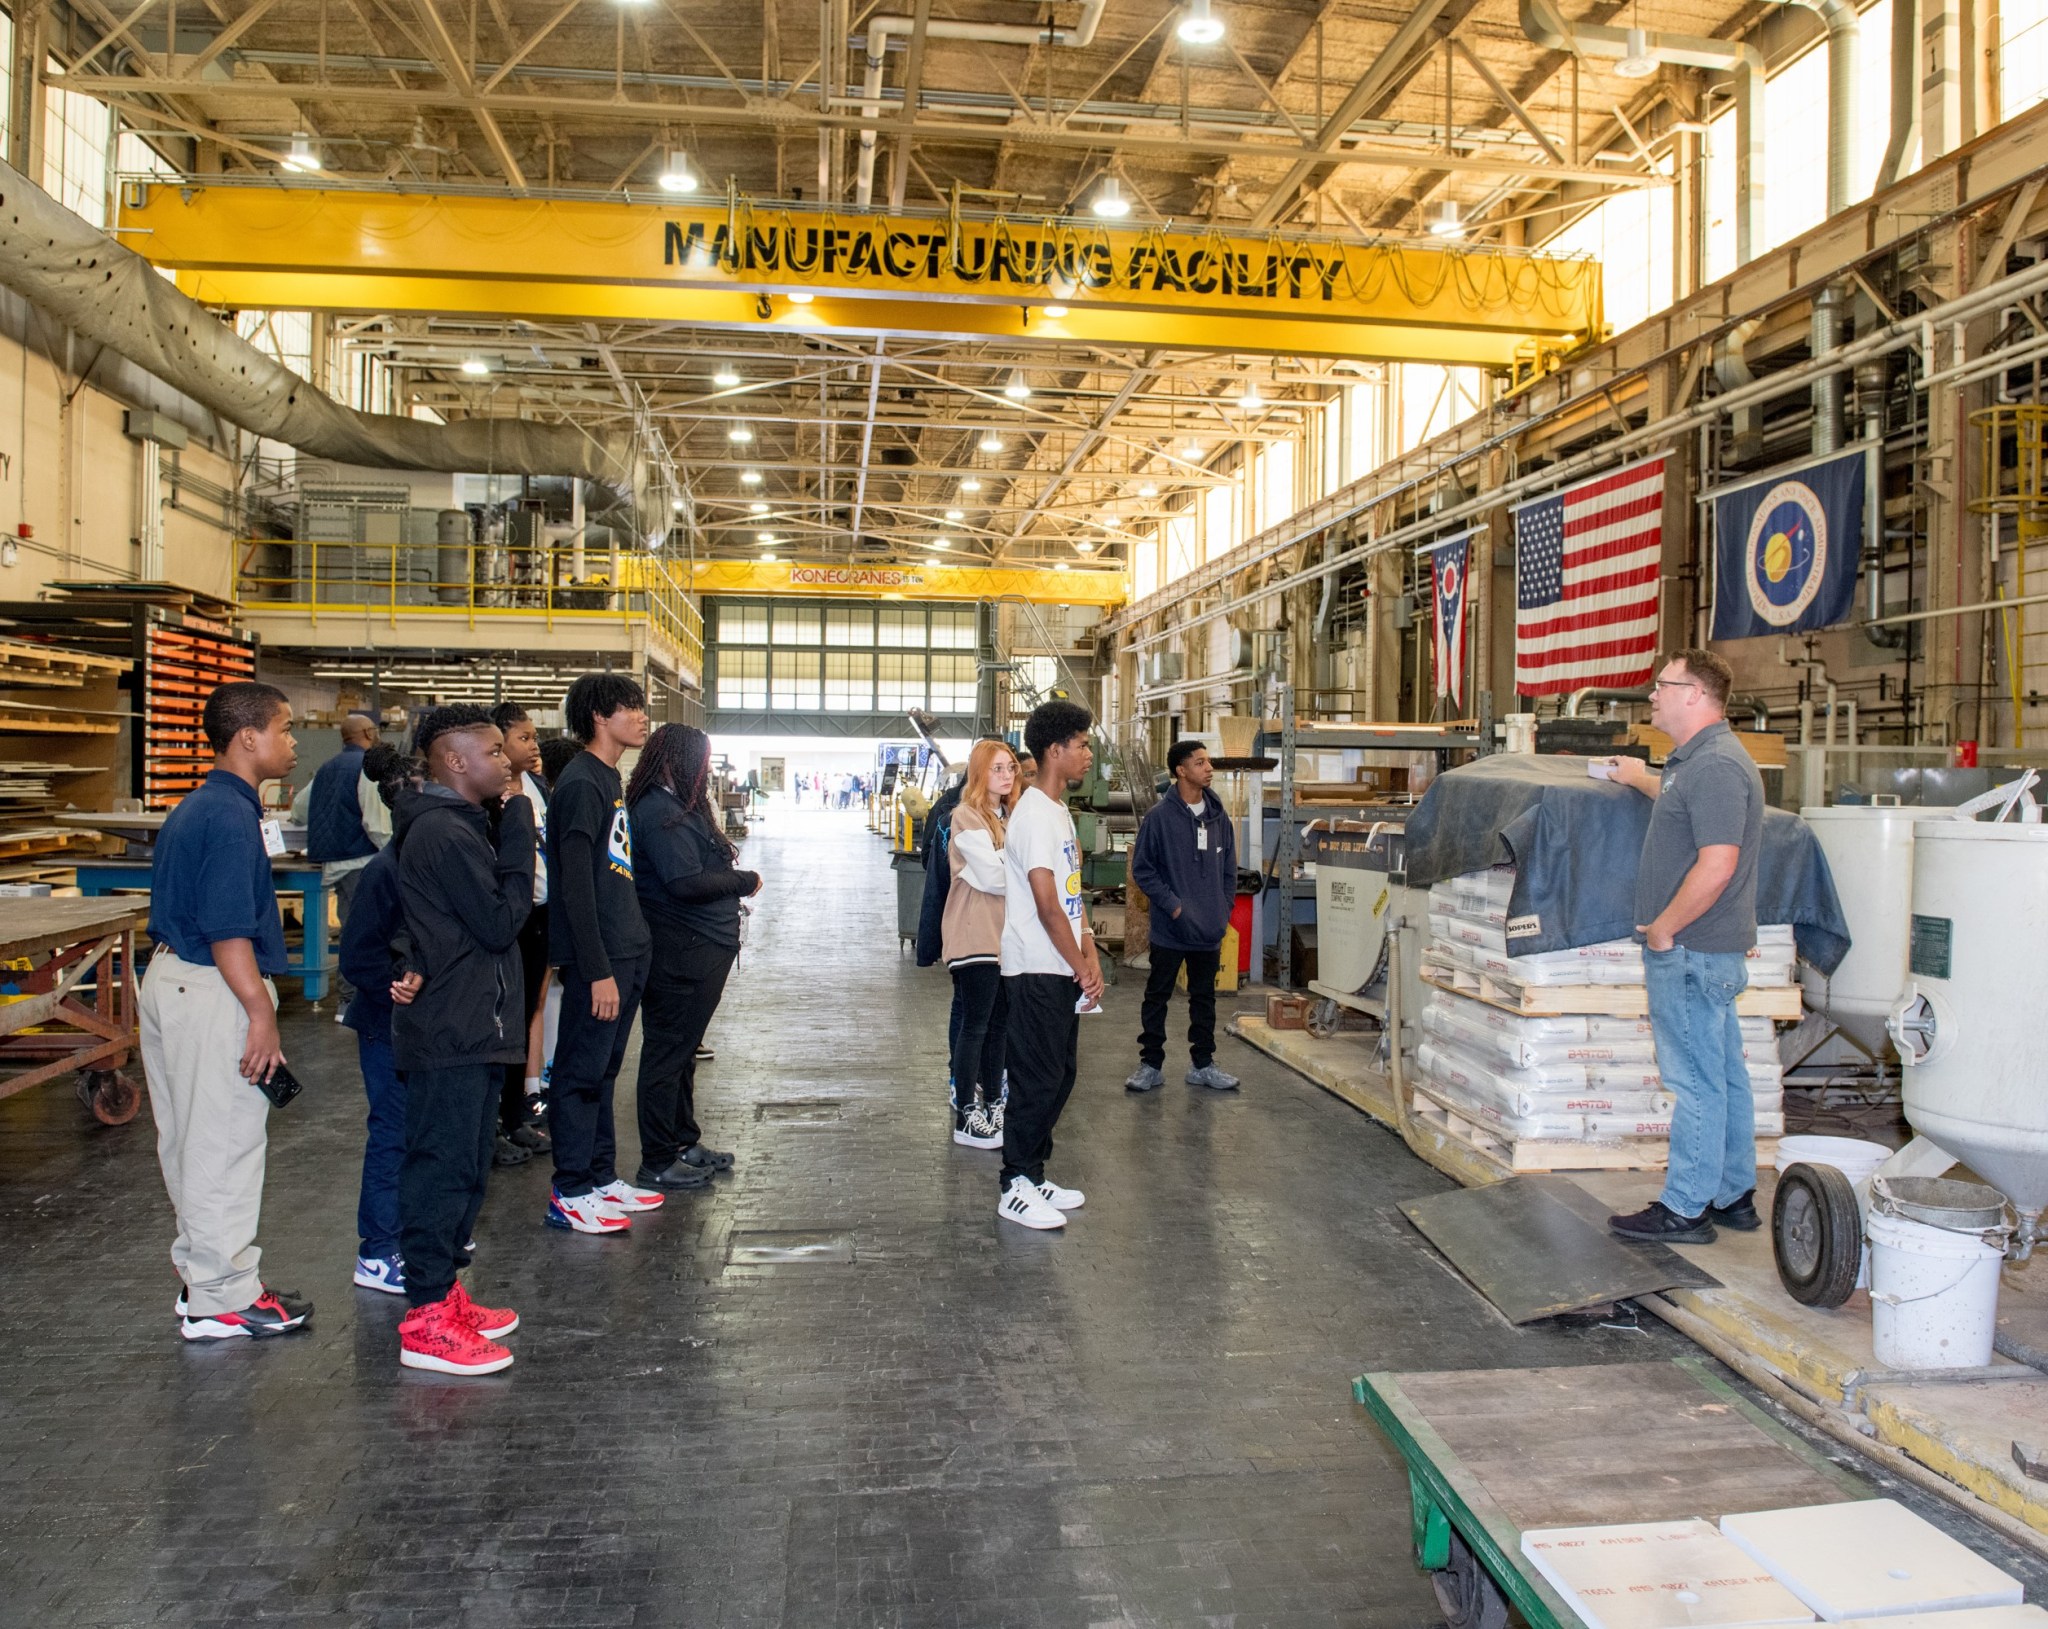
<point x="493" y="1323"/>
<point x="271" y="1313"/>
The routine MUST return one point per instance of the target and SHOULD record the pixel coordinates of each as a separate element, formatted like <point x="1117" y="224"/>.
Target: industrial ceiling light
<point x="1083" y="546"/>
<point x="956" y="514"/>
<point x="750" y="477"/>
<point x="769" y="557"/>
<point x="1640" y="61"/>
<point x="802" y="297"/>
<point x="757" y="509"/>
<point x="677" y="505"/>
<point x="942" y="542"/>
<point x="677" y="173"/>
<point x="991" y="443"/>
<point x="1148" y="490"/>
<point x="1059" y="565"/>
<point x="475" y="366"/>
<point x="726" y="377"/>
<point x="302" y="159"/>
<point x="739" y="433"/>
<point x="1199" y="25"/>
<point x="1191" y="451"/>
<point x="764" y="537"/>
<point x="1018" y="389"/>
<point x="1056" y="311"/>
<point x="1110" y="203"/>
<point x="1251" y="401"/>
<point x="1445" y="221"/>
<point x="971" y="484"/>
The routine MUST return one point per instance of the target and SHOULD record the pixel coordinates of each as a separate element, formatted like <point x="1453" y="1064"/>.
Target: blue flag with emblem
<point x="1786" y="547"/>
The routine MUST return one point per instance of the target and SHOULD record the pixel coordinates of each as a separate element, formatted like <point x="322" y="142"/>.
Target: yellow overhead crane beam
<point x="920" y="582"/>
<point x="743" y="266"/>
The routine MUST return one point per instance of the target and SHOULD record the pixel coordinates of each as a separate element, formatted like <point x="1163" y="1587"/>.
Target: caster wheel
<point x="1817" y="1235"/>
<point x="113" y="1098"/>
<point x="1468" y="1597"/>
<point x="1325" y="1018"/>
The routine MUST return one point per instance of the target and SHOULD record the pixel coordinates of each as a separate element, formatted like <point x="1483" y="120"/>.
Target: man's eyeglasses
<point x="1674" y="684"/>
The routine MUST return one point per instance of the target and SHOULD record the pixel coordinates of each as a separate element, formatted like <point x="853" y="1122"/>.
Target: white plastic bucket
<point x="1853" y="1157"/>
<point x="1933" y="1295"/>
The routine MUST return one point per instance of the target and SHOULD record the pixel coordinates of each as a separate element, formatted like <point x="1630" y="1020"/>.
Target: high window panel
<point x="899" y="681"/>
<point x="953" y="677"/>
<point x="1365" y="408"/>
<point x="1277" y="497"/>
<point x="798" y="624"/>
<point x="1183" y="545"/>
<point x="2022" y="60"/>
<point x="6" y="77"/>
<point x="1219" y="520"/>
<point x="849" y="681"/>
<point x="1331" y="471"/>
<point x="902" y="626"/>
<point x="743" y="680"/>
<point x="1145" y="566"/>
<point x="794" y="683"/>
<point x="1630" y="236"/>
<point x="953" y="627"/>
<point x="850" y="625"/>
<point x="78" y="133"/>
<point x="741" y="623"/>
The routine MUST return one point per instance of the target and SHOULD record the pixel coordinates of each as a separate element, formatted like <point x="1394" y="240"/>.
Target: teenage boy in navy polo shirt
<point x="209" y="1016"/>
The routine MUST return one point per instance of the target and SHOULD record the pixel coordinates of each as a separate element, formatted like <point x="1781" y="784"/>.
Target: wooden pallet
<point x="1587" y="1000"/>
<point x="1524" y="1156"/>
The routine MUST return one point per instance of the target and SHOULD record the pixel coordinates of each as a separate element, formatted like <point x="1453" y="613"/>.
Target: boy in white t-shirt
<point x="1050" y="969"/>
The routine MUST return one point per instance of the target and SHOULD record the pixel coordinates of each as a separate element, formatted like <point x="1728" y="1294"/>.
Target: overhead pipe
<point x="1902" y="146"/>
<point x="1844" y="84"/>
<point x="108" y="294"/>
<point x="1760" y="715"/>
<point x="1545" y="27"/>
<point x="880" y="27"/>
<point x="1732" y="372"/>
<point x="1830" y="390"/>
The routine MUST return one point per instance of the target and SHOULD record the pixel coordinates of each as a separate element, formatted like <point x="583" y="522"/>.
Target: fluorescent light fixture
<point x="1199" y="25"/>
<point x="1110" y="203"/>
<point x="1148" y="490"/>
<point x="1083" y="546"/>
<point x="956" y="514"/>
<point x="991" y="443"/>
<point x="677" y="174"/>
<point x="1641" y="61"/>
<point x="764" y="537"/>
<point x="1017" y="389"/>
<point x="971" y="484"/>
<point x="475" y="366"/>
<point x="1445" y="221"/>
<point x="942" y="542"/>
<point x="1055" y="311"/>
<point x="726" y="377"/>
<point x="757" y="509"/>
<point x="302" y="159"/>
<point x="750" y="477"/>
<point x="739" y="433"/>
<point x="802" y="297"/>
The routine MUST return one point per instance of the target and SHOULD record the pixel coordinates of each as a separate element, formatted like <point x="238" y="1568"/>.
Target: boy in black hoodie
<point x="598" y="938"/>
<point x="465" y="899"/>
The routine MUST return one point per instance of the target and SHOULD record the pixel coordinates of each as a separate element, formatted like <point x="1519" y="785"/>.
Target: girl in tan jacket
<point x="972" y="936"/>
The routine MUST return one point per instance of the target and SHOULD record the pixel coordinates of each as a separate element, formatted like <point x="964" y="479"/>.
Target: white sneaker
<point x="1021" y="1203"/>
<point x="1061" y="1198"/>
<point x="628" y="1200"/>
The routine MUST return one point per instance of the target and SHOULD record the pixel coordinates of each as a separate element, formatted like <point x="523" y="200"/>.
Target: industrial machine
<point x="1361" y="894"/>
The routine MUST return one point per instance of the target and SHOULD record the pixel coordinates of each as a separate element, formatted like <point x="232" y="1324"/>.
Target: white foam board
<point x="1659" y="1575"/>
<point x="1872" y="1558"/>
<point x="1970" y="1617"/>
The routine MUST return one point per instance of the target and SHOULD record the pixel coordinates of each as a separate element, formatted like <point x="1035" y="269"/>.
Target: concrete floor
<point x="1144" y="1420"/>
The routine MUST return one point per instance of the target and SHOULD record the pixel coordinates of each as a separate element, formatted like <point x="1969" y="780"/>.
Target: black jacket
<point x="371" y="948"/>
<point x="465" y="900"/>
<point x="938" y="876"/>
<point x="1177" y="874"/>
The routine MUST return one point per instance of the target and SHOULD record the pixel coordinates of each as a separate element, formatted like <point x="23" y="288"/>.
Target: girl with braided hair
<point x="690" y="892"/>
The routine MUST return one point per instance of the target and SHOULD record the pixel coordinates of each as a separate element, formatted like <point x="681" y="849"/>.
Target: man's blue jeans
<point x="1699" y="1054"/>
<point x="383" y="1149"/>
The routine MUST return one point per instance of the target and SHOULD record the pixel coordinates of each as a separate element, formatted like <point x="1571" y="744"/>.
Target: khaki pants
<point x="211" y="1128"/>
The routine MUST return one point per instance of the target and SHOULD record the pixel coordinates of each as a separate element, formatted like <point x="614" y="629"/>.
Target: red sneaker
<point x="440" y="1338"/>
<point x="493" y="1323"/>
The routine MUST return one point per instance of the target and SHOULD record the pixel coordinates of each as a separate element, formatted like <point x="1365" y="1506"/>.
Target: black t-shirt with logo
<point x="593" y="911"/>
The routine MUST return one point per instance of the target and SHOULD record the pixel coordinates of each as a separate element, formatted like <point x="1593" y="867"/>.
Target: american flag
<point x="1587" y="560"/>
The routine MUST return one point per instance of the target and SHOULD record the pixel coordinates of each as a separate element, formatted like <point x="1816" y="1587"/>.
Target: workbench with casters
<point x="1492" y="1453"/>
<point x="74" y="946"/>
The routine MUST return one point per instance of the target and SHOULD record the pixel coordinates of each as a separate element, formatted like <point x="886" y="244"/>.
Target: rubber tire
<point x="1816" y="1235"/>
<point x="1325" y="1018"/>
<point x="1467" y="1596"/>
<point x="113" y="1098"/>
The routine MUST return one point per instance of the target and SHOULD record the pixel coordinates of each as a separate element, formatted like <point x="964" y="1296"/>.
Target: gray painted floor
<point x="1145" y="1420"/>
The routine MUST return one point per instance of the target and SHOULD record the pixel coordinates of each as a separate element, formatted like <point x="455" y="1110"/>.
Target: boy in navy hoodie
<point x="1185" y="860"/>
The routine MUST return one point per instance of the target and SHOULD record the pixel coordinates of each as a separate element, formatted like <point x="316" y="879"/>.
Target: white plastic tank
<point x="1972" y="1023"/>
<point x="1870" y="854"/>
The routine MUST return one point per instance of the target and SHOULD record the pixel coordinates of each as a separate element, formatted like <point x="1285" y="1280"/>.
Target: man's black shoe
<point x="1655" y="1223"/>
<point x="531" y="1138"/>
<point x="705" y="1159"/>
<point x="1742" y="1215"/>
<point x="506" y="1152"/>
<point x="678" y="1178"/>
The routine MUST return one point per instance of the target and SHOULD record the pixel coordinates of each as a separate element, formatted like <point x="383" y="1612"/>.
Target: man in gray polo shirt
<point x="1696" y="911"/>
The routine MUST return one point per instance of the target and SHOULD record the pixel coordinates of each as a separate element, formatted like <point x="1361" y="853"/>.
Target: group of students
<point x="832" y="791"/>
<point x="495" y="872"/>
<point x="1004" y="880"/>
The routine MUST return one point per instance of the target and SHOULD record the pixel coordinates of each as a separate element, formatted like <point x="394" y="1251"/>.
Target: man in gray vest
<point x="1696" y="912"/>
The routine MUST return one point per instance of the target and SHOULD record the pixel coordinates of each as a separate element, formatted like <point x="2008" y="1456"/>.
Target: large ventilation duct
<point x="108" y="294"/>
<point x="1902" y="146"/>
<point x="1545" y="27"/>
<point x="880" y="27"/>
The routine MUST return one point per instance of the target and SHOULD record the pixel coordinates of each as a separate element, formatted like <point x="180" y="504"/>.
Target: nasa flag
<point x="1786" y="547"/>
<point x="1447" y="575"/>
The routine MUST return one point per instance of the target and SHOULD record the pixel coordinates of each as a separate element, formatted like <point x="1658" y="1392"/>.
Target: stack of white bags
<point x="1576" y="1079"/>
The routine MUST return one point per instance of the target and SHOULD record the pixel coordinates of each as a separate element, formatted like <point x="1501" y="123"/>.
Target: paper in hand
<point x="1601" y="769"/>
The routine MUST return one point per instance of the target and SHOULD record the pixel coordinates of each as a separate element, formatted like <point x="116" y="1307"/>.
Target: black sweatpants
<point x="588" y="1053"/>
<point x="533" y="965"/>
<point x="1202" y="966"/>
<point x="1044" y="1047"/>
<point x="980" y="1033"/>
<point x="683" y="991"/>
<point x="451" y="1119"/>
